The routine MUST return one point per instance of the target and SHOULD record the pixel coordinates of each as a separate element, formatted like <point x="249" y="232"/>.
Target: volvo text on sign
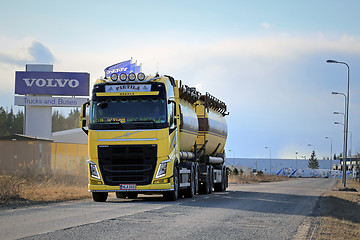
<point x="52" y="83"/>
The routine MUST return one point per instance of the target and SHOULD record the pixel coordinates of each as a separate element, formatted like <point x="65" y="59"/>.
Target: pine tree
<point x="313" y="162"/>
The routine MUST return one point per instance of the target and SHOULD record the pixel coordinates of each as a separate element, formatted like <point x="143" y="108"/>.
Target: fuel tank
<point x="212" y="130"/>
<point x="202" y="121"/>
<point x="188" y="127"/>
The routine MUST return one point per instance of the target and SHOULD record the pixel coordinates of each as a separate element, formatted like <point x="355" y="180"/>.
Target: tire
<point x="196" y="180"/>
<point x="204" y="187"/>
<point x="99" y="196"/>
<point x="225" y="179"/>
<point x="120" y="195"/>
<point x="173" y="195"/>
<point x="211" y="179"/>
<point x="190" y="191"/>
<point x="220" y="187"/>
<point x="132" y="195"/>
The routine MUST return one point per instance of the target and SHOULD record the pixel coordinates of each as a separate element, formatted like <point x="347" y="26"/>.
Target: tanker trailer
<point x="210" y="141"/>
<point x="142" y="138"/>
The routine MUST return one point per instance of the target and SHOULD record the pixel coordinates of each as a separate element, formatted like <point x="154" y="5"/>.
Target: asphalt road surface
<point x="279" y="210"/>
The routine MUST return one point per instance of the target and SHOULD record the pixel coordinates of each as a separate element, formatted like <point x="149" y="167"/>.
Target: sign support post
<point x="43" y="115"/>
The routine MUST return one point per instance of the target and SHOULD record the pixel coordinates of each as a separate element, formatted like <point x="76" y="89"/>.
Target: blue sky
<point x="265" y="59"/>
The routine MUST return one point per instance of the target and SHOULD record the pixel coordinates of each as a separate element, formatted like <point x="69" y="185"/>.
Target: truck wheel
<point x="190" y="191"/>
<point x="120" y="195"/>
<point x="173" y="195"/>
<point x="99" y="196"/>
<point x="132" y="195"/>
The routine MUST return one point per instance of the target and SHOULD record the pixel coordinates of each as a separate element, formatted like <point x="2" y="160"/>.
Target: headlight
<point x="94" y="172"/>
<point x="161" y="172"/>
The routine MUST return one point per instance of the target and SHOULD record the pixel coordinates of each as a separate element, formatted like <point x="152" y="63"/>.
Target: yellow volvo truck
<point x="153" y="135"/>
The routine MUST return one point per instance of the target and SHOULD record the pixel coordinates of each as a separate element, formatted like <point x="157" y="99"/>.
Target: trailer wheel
<point x="190" y="191"/>
<point x="196" y="178"/>
<point x="99" y="196"/>
<point x="225" y="179"/>
<point x="173" y="195"/>
<point x="204" y="187"/>
<point x="211" y="179"/>
<point x="220" y="187"/>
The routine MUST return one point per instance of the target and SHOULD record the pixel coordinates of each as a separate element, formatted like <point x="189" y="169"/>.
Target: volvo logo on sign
<point x="40" y="82"/>
<point x="52" y="83"/>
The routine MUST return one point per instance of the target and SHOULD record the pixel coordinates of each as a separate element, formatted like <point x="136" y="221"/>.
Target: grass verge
<point x="19" y="190"/>
<point x="339" y="213"/>
<point x="242" y="179"/>
<point x="41" y="188"/>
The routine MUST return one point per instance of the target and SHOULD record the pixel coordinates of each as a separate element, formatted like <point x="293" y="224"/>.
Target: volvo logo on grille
<point x="127" y="134"/>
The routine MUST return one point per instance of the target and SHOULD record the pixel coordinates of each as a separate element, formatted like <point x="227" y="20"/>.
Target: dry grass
<point x="58" y="187"/>
<point x="255" y="178"/>
<point x="40" y="188"/>
<point x="340" y="214"/>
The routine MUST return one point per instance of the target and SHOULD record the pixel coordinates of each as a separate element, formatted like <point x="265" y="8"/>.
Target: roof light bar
<point x="131" y="77"/>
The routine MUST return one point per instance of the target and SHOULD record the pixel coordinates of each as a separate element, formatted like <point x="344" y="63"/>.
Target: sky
<point x="265" y="59"/>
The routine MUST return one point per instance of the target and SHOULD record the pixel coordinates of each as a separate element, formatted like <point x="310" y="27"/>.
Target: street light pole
<point x="346" y="123"/>
<point x="343" y="155"/>
<point x="270" y="157"/>
<point x="330" y="154"/>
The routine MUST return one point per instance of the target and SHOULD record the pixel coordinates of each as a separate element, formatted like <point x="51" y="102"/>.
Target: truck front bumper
<point x="145" y="188"/>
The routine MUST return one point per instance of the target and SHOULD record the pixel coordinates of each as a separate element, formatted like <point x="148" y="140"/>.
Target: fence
<point x="42" y="157"/>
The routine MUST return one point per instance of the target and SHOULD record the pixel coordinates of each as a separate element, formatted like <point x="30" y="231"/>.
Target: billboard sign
<point x="49" y="101"/>
<point x="52" y="83"/>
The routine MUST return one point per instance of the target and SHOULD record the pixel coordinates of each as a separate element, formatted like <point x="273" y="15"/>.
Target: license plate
<point x="127" y="186"/>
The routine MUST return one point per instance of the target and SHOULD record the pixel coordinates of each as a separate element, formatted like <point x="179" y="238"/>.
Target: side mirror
<point x="83" y="117"/>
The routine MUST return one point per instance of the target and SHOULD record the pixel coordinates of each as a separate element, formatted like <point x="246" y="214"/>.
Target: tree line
<point x="11" y="123"/>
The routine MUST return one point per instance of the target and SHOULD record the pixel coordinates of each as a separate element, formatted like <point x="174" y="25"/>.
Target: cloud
<point x="41" y="54"/>
<point x="36" y="53"/>
<point x="265" y="25"/>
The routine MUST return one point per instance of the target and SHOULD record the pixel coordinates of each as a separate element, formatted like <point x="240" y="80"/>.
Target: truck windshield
<point x="138" y="111"/>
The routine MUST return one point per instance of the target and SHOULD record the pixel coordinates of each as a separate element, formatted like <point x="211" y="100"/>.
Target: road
<point x="279" y="210"/>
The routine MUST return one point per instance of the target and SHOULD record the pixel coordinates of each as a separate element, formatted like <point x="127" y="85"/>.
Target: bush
<point x="9" y="188"/>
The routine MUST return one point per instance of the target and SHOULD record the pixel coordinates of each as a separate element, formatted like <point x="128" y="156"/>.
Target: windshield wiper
<point x="102" y="105"/>
<point x="119" y="122"/>
<point x="144" y="121"/>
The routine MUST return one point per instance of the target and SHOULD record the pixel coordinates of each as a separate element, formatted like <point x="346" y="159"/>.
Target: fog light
<point x="159" y="181"/>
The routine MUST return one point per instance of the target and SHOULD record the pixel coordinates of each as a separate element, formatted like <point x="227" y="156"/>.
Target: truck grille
<point x="127" y="163"/>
